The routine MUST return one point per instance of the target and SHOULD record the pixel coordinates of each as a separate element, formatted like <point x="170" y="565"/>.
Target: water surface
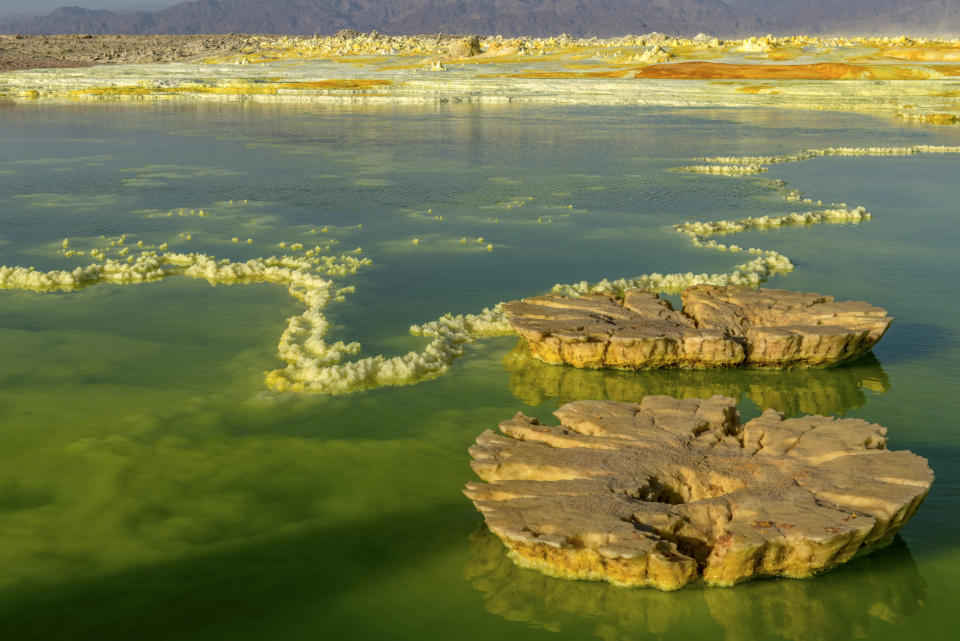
<point x="151" y="486"/>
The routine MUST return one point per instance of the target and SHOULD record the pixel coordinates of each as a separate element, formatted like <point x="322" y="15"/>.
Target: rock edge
<point x="667" y="491"/>
<point x="718" y="327"/>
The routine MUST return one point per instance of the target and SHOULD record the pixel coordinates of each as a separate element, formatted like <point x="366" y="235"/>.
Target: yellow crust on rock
<point x="669" y="572"/>
<point x="661" y="492"/>
<point x="718" y="327"/>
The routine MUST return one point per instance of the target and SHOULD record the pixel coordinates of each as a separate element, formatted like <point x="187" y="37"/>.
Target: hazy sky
<point x="46" y="6"/>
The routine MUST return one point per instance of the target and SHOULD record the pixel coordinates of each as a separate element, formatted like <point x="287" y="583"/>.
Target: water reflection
<point x="839" y="605"/>
<point x="797" y="391"/>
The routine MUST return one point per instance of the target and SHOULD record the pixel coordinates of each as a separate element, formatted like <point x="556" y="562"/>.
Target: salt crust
<point x="657" y="46"/>
<point x="316" y="366"/>
<point x="808" y="154"/>
<point x="664" y="492"/>
<point x="725" y="170"/>
<point x="908" y="78"/>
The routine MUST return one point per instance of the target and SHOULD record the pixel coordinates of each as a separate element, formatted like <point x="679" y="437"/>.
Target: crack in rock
<point x="667" y="491"/>
<point x="718" y="327"/>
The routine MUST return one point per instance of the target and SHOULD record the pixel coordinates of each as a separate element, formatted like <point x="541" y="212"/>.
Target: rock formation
<point x="719" y="327"/>
<point x="666" y="491"/>
<point x="464" y="47"/>
<point x="888" y="589"/>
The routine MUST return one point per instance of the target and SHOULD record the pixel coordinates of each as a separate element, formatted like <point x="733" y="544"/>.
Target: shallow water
<point x="152" y="487"/>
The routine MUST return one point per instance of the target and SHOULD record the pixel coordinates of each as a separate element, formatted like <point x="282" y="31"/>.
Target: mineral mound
<point x="666" y="491"/>
<point x="718" y="327"/>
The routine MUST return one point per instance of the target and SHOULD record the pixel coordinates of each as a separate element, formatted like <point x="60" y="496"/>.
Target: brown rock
<point x="500" y="50"/>
<point x="719" y="327"/>
<point x="464" y="47"/>
<point x="661" y="493"/>
<point x="889" y="588"/>
<point x="788" y="328"/>
<point x="599" y="330"/>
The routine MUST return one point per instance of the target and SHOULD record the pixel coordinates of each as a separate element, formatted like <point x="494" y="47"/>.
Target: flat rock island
<point x="718" y="327"/>
<point x="667" y="491"/>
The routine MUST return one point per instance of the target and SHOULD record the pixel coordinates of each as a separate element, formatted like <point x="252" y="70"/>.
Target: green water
<point x="152" y="488"/>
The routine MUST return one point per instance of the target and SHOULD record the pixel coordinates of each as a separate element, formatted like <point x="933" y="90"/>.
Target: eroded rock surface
<point x="666" y="491"/>
<point x="780" y="327"/>
<point x="718" y="327"/>
<point x="600" y="330"/>
<point x="464" y="47"/>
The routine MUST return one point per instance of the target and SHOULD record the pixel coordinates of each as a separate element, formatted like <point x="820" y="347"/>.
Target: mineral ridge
<point x="718" y="327"/>
<point x="665" y="491"/>
<point x="916" y="79"/>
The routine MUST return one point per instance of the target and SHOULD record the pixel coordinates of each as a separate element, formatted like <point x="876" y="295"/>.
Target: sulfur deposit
<point x="718" y="327"/>
<point x="767" y="262"/>
<point x="914" y="79"/>
<point x="315" y="366"/>
<point x="809" y="154"/>
<point x="667" y="491"/>
<point x="597" y="330"/>
<point x="725" y="170"/>
<point x="781" y="328"/>
<point x="312" y="364"/>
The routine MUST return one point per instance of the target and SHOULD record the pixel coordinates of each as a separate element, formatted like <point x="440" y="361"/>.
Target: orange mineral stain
<point x="718" y="70"/>
<point x="940" y="119"/>
<point x="615" y="73"/>
<point x="924" y="54"/>
<point x="337" y="83"/>
<point x="757" y="89"/>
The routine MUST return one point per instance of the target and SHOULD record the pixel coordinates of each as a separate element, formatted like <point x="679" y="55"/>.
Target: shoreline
<point x="913" y="79"/>
<point x="61" y="50"/>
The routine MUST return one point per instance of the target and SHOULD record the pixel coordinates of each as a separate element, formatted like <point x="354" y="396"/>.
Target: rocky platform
<point x="718" y="327"/>
<point x="667" y="491"/>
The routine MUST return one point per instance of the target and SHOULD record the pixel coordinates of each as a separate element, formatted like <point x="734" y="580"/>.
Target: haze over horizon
<point x="726" y="18"/>
<point x="41" y="7"/>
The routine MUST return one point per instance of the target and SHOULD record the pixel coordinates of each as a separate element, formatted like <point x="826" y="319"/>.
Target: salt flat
<point x="914" y="79"/>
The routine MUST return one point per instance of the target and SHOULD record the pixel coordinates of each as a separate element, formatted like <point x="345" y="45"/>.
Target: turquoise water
<point x="152" y="487"/>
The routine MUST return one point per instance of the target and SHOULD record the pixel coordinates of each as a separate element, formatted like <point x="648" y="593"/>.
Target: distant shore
<point x="81" y="50"/>
<point x="914" y="79"/>
<point x="19" y="52"/>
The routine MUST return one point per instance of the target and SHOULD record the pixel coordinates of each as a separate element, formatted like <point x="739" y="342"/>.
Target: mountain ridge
<point x="725" y="18"/>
